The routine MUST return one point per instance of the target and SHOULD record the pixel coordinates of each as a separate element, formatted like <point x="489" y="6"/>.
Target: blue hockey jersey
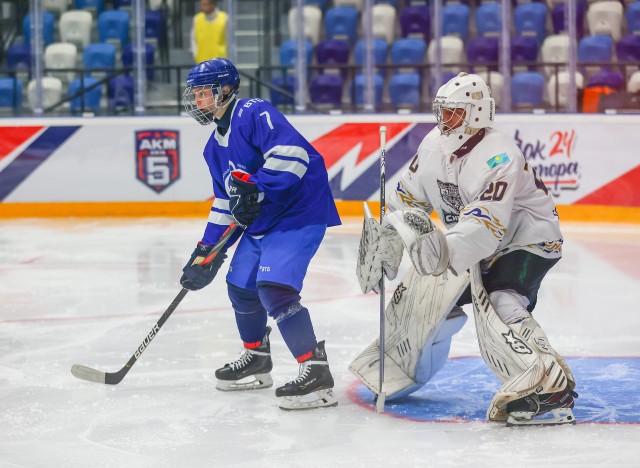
<point x="284" y="166"/>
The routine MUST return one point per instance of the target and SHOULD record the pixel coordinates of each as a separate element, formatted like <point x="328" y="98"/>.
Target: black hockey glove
<point x="196" y="276"/>
<point x="244" y="198"/>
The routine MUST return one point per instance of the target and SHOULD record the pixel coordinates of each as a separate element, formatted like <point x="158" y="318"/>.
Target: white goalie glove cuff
<point x="380" y="251"/>
<point x="425" y="243"/>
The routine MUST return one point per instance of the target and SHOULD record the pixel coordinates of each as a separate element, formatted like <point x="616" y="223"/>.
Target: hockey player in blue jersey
<point x="274" y="184"/>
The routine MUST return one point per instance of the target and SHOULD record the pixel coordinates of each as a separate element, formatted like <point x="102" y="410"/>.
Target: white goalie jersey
<point x="486" y="194"/>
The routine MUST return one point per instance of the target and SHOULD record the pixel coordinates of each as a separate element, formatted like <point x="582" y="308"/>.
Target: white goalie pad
<point x="380" y="249"/>
<point x="518" y="354"/>
<point x="413" y="317"/>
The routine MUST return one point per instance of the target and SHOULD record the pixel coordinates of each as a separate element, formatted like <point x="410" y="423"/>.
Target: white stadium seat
<point x="312" y="22"/>
<point x="555" y="49"/>
<point x="75" y="27"/>
<point x="605" y="18"/>
<point x="61" y="55"/>
<point x="51" y="91"/>
<point x="562" y="81"/>
<point x="384" y="22"/>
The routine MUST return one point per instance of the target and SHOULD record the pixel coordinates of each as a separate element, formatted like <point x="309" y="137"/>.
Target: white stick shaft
<point x="383" y="207"/>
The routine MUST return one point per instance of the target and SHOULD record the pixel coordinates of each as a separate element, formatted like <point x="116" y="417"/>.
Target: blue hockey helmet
<point x="203" y="95"/>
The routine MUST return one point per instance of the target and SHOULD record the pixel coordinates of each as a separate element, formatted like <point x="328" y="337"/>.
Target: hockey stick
<point x="383" y="154"/>
<point x="113" y="378"/>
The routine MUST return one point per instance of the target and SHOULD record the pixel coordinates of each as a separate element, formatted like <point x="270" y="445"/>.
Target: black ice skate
<point x="312" y="387"/>
<point x="250" y="371"/>
<point x="549" y="409"/>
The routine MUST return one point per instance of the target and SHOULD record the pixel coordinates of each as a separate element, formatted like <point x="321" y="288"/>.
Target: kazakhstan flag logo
<point x="497" y="160"/>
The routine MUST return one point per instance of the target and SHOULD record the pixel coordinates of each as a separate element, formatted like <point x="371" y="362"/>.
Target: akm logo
<point x="157" y="158"/>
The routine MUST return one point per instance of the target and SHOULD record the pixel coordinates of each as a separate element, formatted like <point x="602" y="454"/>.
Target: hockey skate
<point x="549" y="409"/>
<point x="250" y="371"/>
<point x="313" y="386"/>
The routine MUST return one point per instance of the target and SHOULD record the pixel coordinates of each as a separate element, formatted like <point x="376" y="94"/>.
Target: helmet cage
<point x="443" y="125"/>
<point x="205" y="115"/>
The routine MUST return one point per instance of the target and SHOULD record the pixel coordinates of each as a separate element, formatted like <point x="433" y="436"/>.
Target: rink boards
<point x="153" y="166"/>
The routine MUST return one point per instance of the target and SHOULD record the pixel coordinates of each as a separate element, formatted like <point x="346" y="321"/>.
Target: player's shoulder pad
<point x="496" y="151"/>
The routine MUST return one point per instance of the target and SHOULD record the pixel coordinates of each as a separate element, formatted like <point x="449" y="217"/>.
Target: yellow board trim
<point x="580" y="213"/>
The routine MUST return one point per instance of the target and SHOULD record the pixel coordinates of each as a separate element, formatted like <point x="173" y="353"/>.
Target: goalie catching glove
<point x="425" y="243"/>
<point x="380" y="251"/>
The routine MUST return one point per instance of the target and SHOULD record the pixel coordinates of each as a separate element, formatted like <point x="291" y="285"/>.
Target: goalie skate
<point x="251" y="371"/>
<point x="551" y="409"/>
<point x="313" y="386"/>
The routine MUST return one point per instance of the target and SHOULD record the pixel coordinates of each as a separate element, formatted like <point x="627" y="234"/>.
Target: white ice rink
<point x="88" y="291"/>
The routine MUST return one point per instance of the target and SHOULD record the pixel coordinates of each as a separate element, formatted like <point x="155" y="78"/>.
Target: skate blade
<point x="557" y="417"/>
<point x="252" y="382"/>
<point x="319" y="399"/>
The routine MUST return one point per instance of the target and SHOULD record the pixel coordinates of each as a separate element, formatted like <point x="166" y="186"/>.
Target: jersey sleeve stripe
<point x="290" y="151"/>
<point x="215" y="217"/>
<point x="293" y="166"/>
<point x="221" y="203"/>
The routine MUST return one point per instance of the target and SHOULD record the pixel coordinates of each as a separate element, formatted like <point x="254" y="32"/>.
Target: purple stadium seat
<point x="610" y="79"/>
<point x="120" y="92"/>
<point x="483" y="50"/>
<point x="326" y="89"/>
<point x="19" y="57"/>
<point x="628" y="48"/>
<point x="414" y="22"/>
<point x="333" y="52"/>
<point x="557" y="18"/>
<point x="524" y="49"/>
<point x="149" y="53"/>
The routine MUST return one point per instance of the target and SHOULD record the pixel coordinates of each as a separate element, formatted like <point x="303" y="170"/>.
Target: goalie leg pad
<point x="519" y="354"/>
<point x="413" y="319"/>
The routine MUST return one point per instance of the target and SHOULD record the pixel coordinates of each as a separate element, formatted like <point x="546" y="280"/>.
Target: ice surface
<point x="88" y="291"/>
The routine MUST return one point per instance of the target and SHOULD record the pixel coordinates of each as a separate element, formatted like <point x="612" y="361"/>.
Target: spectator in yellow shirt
<point x="209" y="32"/>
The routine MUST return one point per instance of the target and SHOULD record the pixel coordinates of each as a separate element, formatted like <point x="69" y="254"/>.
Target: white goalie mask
<point x="468" y="98"/>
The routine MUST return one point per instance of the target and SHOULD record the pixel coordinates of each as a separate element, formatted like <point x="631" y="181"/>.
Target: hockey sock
<point x="251" y="316"/>
<point x="294" y="322"/>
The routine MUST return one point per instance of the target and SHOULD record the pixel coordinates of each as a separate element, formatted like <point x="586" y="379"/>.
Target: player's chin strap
<point x="519" y="354"/>
<point x="221" y="100"/>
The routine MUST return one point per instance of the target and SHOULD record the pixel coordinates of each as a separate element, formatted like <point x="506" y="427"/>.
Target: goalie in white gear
<point x="497" y="213"/>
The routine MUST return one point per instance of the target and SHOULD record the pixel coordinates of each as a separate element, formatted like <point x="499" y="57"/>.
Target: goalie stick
<point x="383" y="155"/>
<point x="114" y="378"/>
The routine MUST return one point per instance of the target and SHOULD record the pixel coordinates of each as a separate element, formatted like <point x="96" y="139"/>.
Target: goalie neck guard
<point x="469" y="98"/>
<point x="203" y="95"/>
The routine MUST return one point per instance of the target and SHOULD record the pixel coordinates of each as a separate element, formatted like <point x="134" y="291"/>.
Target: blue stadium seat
<point x="91" y="98"/>
<point x="414" y="21"/>
<point x="488" y="19"/>
<point x="342" y="23"/>
<point x="48" y="23"/>
<point x="99" y="55"/>
<point x="326" y="89"/>
<point x="113" y="26"/>
<point x="404" y="90"/>
<point x="333" y="51"/>
<point x="322" y="4"/>
<point x="380" y="47"/>
<point x="10" y="93"/>
<point x="598" y="48"/>
<point x="358" y="85"/>
<point x="289" y="52"/>
<point x="288" y="84"/>
<point x="120" y="92"/>
<point x="407" y="50"/>
<point x="155" y="26"/>
<point x="19" y="57"/>
<point x="122" y="4"/>
<point x="632" y="16"/>
<point x="149" y="54"/>
<point x="91" y="5"/>
<point x="483" y="50"/>
<point x="530" y="20"/>
<point x="527" y="89"/>
<point x="455" y="20"/>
